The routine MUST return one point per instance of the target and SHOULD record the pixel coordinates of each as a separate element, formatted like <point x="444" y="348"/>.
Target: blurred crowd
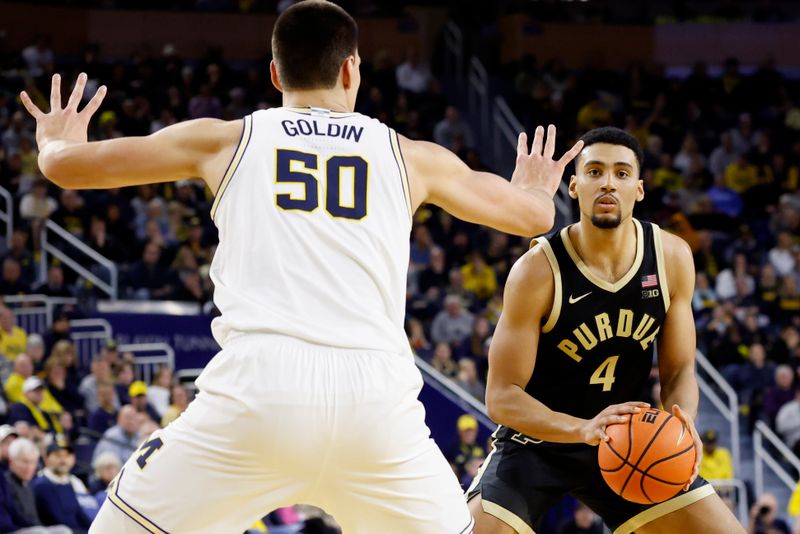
<point x="722" y="166"/>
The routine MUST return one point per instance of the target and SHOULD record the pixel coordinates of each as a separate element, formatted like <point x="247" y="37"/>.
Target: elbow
<point x="540" y="219"/>
<point x="52" y="167"/>
<point x="495" y="407"/>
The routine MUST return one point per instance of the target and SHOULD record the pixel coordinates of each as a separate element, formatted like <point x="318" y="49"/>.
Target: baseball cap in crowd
<point x="709" y="436"/>
<point x="7" y="430"/>
<point x="137" y="388"/>
<point x="111" y="344"/>
<point x="467" y="422"/>
<point x="58" y="445"/>
<point x="31" y="383"/>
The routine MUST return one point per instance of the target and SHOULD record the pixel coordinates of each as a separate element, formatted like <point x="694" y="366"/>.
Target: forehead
<point x="607" y="154"/>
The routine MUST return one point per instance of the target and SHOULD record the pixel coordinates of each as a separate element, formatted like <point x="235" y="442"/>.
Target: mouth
<point x="606" y="202"/>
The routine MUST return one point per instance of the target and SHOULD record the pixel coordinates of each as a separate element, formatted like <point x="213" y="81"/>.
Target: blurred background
<point x="107" y="300"/>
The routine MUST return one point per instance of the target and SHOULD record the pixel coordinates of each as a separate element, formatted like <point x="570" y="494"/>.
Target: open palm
<point x="64" y="124"/>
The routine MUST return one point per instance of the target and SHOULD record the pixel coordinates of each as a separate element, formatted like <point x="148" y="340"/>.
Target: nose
<point x="608" y="185"/>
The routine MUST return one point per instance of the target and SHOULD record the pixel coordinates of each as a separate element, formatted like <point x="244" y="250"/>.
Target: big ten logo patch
<point x="650" y="416"/>
<point x="650" y="293"/>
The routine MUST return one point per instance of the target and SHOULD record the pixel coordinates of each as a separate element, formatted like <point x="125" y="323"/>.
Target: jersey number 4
<point x="345" y="179"/>
<point x="604" y="374"/>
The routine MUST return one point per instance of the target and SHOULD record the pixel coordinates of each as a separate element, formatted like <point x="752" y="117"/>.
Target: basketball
<point x="648" y="459"/>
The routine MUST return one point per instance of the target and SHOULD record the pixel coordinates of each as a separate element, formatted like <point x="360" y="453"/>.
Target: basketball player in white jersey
<point x="313" y="397"/>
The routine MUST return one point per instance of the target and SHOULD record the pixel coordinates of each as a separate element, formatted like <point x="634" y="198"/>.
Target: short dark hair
<point x="614" y="136"/>
<point x="310" y="42"/>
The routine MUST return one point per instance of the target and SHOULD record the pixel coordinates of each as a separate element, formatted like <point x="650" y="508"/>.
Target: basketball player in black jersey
<point x="582" y="313"/>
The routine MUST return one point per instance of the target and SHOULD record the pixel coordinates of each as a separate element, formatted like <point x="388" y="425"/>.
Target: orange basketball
<point x="649" y="458"/>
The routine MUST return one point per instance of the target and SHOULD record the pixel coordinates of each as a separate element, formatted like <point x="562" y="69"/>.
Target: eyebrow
<point x="616" y="164"/>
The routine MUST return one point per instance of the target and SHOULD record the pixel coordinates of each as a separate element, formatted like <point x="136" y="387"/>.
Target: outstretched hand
<point x="64" y="124"/>
<point x="537" y="169"/>
<point x="687" y="421"/>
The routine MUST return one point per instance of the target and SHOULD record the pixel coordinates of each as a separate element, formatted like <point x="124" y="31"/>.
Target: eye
<point x="593" y="172"/>
<point x="623" y="174"/>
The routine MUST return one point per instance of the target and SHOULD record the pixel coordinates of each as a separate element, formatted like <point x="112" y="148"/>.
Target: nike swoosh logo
<point x="573" y="300"/>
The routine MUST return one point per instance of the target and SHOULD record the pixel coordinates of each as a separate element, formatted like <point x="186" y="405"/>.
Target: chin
<point x="606" y="221"/>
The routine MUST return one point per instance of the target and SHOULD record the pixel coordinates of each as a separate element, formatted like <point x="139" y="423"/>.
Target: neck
<point x="610" y="250"/>
<point x="333" y="100"/>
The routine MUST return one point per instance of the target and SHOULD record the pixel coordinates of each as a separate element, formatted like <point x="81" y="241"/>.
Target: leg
<point x="486" y="523"/>
<point x="111" y="519"/>
<point x="706" y="515"/>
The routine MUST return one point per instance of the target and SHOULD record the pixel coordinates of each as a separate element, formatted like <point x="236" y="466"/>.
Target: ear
<point x="348" y="71"/>
<point x="273" y="74"/>
<point x="640" y="191"/>
<point x="573" y="192"/>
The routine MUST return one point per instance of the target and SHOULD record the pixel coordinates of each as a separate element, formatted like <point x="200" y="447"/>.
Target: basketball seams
<point x="635" y="467"/>
<point x="618" y="455"/>
<point x="646" y="472"/>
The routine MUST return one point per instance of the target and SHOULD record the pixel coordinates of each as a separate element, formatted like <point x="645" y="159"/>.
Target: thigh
<point x="387" y="475"/>
<point x="204" y="473"/>
<point x="486" y="523"/>
<point x="709" y="514"/>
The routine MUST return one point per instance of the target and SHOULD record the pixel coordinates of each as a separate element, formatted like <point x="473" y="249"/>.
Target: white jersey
<point x="314" y="216"/>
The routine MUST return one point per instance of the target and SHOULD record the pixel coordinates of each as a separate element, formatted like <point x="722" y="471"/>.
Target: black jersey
<point x="596" y="346"/>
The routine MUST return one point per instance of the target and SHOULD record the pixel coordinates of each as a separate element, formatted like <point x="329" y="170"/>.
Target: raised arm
<point x="523" y="206"/>
<point x="194" y="149"/>
<point x="677" y="341"/>
<point x="512" y="358"/>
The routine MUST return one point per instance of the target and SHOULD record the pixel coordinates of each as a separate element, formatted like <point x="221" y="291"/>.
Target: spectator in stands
<point x="453" y="324"/>
<point x="23" y="368"/>
<point x="71" y="214"/>
<point x="12" y="282"/>
<point x="57" y="491"/>
<point x="106" y="467"/>
<point x="787" y="423"/>
<point x="35" y="351"/>
<point x="29" y="409"/>
<point x="764" y="517"/>
<point x="55" y="375"/>
<point x="584" y="521"/>
<point x="13" y="339"/>
<point x="55" y="286"/>
<point x="443" y="360"/>
<point x="753" y="377"/>
<point x="479" y="278"/>
<point x="466" y="447"/>
<point x="418" y="340"/>
<point x="138" y="394"/>
<point x="158" y="392"/>
<point x="104" y="242"/>
<point x="37" y="205"/>
<point x="64" y="352"/>
<point x="723" y="155"/>
<point x="110" y="353"/>
<point x="24" y="456"/>
<point x="467" y="378"/>
<point x="18" y="250"/>
<point x="179" y="401"/>
<point x="123" y="438"/>
<point x="453" y="127"/>
<point x="412" y="75"/>
<point x="148" y="278"/>
<point x="779" y="394"/>
<point x="123" y="382"/>
<point x="7" y="436"/>
<point x="59" y="330"/>
<point x="716" y="463"/>
<point x="105" y="415"/>
<point x="781" y="257"/>
<point x="89" y="386"/>
<point x="727" y="279"/>
<point x="705" y="298"/>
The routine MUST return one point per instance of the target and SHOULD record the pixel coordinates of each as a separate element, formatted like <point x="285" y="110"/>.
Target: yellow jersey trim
<point x="244" y="140"/>
<point x="596" y="280"/>
<point x="664" y="508"/>
<point x="661" y="264"/>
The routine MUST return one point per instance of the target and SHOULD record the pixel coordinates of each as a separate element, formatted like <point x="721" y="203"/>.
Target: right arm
<point x="524" y="206"/>
<point x="512" y="358"/>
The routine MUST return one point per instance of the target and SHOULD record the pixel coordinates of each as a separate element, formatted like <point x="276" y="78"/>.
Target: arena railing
<point x="735" y="489"/>
<point x="34" y="313"/>
<point x="728" y="408"/>
<point x="148" y="358"/>
<point x="764" y="456"/>
<point x="52" y="230"/>
<point x="453" y="392"/>
<point x="7" y="213"/>
<point x="89" y="336"/>
<point x="478" y="100"/>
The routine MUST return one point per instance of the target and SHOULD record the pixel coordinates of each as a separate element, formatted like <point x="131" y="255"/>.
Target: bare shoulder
<point x="530" y="281"/>
<point x="678" y="262"/>
<point x="209" y="133"/>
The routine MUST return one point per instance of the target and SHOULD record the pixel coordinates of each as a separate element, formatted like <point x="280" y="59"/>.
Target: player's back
<point x="314" y="216"/>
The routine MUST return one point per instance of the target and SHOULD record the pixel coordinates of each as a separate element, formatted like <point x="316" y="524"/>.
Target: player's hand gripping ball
<point x="648" y="459"/>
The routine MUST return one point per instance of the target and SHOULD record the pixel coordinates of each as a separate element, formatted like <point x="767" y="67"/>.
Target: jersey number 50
<point x="294" y="167"/>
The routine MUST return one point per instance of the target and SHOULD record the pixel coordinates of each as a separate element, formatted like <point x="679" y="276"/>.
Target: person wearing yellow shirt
<point x="479" y="278"/>
<point x="741" y="175"/>
<point x="23" y="369"/>
<point x="716" y="463"/>
<point x="13" y="339"/>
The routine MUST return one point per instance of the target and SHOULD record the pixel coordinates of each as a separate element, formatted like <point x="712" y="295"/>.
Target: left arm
<point x="677" y="342"/>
